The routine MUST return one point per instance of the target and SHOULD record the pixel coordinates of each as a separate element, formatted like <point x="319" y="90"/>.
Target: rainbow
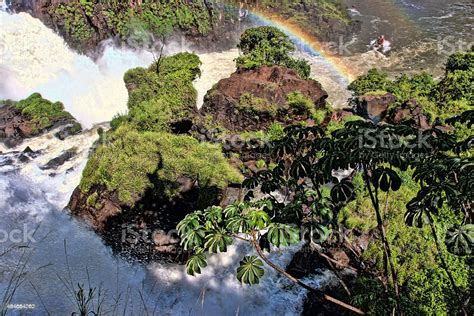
<point x="310" y="43"/>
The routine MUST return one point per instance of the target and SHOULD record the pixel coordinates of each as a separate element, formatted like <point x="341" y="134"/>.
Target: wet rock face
<point x="61" y="159"/>
<point x="145" y="231"/>
<point x="13" y="126"/>
<point x="270" y="85"/>
<point x="227" y="23"/>
<point x="373" y="107"/>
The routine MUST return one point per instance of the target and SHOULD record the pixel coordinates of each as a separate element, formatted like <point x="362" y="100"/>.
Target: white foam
<point x="35" y="59"/>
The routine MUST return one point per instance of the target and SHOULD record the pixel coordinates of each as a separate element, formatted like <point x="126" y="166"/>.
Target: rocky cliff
<point x="206" y="25"/>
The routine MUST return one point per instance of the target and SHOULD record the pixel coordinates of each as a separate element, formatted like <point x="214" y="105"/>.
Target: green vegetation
<point x="268" y="46"/>
<point x="452" y="95"/>
<point x="162" y="94"/>
<point x="131" y="160"/>
<point x="299" y="103"/>
<point x="406" y="195"/>
<point x="132" y="22"/>
<point x="458" y="83"/>
<point x="417" y="263"/>
<point x="334" y="126"/>
<point x="405" y="88"/>
<point x="141" y="153"/>
<point x="274" y="132"/>
<point x="42" y="113"/>
<point x="252" y="105"/>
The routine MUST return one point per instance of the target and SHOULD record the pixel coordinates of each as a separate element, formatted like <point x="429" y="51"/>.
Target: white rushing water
<point x="35" y="59"/>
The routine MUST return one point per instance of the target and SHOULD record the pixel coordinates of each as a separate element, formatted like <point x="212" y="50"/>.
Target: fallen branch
<point x="300" y="283"/>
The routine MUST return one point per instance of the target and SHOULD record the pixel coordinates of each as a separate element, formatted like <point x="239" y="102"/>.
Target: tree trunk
<point x="386" y="245"/>
<point x="440" y="254"/>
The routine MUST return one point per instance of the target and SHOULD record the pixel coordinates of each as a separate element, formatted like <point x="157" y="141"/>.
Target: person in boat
<point x="380" y="41"/>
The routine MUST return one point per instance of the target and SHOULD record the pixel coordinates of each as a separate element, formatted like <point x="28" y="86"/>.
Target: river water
<point x="46" y="268"/>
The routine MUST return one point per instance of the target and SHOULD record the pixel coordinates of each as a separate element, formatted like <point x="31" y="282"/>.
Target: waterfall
<point x="35" y="59"/>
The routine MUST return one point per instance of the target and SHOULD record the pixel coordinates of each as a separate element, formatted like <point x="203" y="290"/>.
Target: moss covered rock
<point x="133" y="161"/>
<point x="147" y="170"/>
<point x="31" y="117"/>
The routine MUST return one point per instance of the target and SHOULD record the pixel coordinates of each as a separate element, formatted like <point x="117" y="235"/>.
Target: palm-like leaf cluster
<point x="214" y="230"/>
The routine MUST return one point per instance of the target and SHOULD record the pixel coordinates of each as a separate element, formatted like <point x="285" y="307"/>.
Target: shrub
<point x="163" y="93"/>
<point x="372" y="81"/>
<point x="253" y="105"/>
<point x="128" y="162"/>
<point x="268" y="46"/>
<point x="300" y="103"/>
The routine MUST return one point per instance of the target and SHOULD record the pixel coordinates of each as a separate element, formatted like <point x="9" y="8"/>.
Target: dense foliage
<point x="42" y="113"/>
<point x="132" y="160"/>
<point x="163" y="94"/>
<point x="411" y="188"/>
<point x="85" y="23"/>
<point x="268" y="46"/>
<point x="130" y="20"/>
<point x="451" y="95"/>
<point x="141" y="152"/>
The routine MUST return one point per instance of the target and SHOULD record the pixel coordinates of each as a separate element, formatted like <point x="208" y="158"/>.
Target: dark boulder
<point x="267" y="88"/>
<point x="374" y="107"/>
<point x="144" y="231"/>
<point x="69" y="130"/>
<point x="61" y="159"/>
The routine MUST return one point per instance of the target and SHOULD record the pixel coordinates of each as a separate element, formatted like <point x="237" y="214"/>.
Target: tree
<point x="214" y="229"/>
<point x="268" y="46"/>
<point x="303" y="165"/>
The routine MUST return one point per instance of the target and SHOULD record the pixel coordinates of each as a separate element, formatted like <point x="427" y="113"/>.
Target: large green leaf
<point x="217" y="241"/>
<point x="234" y="210"/>
<point x="214" y="214"/>
<point x="195" y="263"/>
<point x="189" y="223"/>
<point x="415" y="217"/>
<point x="250" y="270"/>
<point x="460" y="239"/>
<point x="193" y="239"/>
<point x="300" y="168"/>
<point x="282" y="235"/>
<point x="319" y="233"/>
<point x="342" y="192"/>
<point x="238" y="224"/>
<point x="258" y="219"/>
